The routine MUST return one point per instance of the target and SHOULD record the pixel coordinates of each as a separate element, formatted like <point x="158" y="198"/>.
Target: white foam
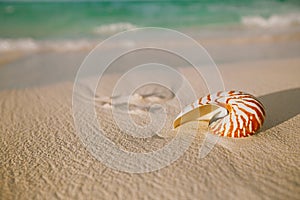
<point x="272" y="21"/>
<point x="26" y="44"/>
<point x="114" y="28"/>
<point x="69" y="45"/>
<point x="31" y="45"/>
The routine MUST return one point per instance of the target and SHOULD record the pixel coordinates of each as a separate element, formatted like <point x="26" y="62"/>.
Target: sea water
<point x="61" y="19"/>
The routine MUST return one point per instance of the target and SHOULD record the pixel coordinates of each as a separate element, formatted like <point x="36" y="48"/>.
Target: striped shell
<point x="232" y="114"/>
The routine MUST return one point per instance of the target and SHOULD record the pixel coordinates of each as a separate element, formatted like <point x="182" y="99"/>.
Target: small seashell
<point x="232" y="114"/>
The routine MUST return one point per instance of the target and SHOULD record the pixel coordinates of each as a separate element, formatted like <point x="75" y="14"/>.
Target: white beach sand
<point x="43" y="157"/>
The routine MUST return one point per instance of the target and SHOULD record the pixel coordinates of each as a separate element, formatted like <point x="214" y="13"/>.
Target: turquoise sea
<point x="64" y="25"/>
<point x="81" y="19"/>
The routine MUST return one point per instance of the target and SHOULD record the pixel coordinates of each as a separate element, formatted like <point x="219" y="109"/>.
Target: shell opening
<point x="201" y="113"/>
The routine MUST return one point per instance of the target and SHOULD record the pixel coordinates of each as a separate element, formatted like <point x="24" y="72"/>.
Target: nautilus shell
<point x="232" y="114"/>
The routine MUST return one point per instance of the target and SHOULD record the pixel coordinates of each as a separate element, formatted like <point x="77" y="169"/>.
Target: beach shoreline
<point x="89" y="92"/>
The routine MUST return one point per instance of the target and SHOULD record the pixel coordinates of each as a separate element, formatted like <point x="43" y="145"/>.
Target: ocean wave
<point x="272" y="21"/>
<point x="31" y="45"/>
<point x="18" y="44"/>
<point x="114" y="28"/>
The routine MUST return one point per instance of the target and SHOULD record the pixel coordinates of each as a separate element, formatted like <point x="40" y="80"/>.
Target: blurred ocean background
<point x="44" y="42"/>
<point x="32" y="25"/>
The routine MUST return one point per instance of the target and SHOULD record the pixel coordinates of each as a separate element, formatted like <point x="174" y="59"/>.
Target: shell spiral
<point x="234" y="114"/>
<point x="245" y="114"/>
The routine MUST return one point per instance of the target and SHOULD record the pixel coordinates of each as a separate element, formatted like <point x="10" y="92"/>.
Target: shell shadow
<point x="280" y="106"/>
